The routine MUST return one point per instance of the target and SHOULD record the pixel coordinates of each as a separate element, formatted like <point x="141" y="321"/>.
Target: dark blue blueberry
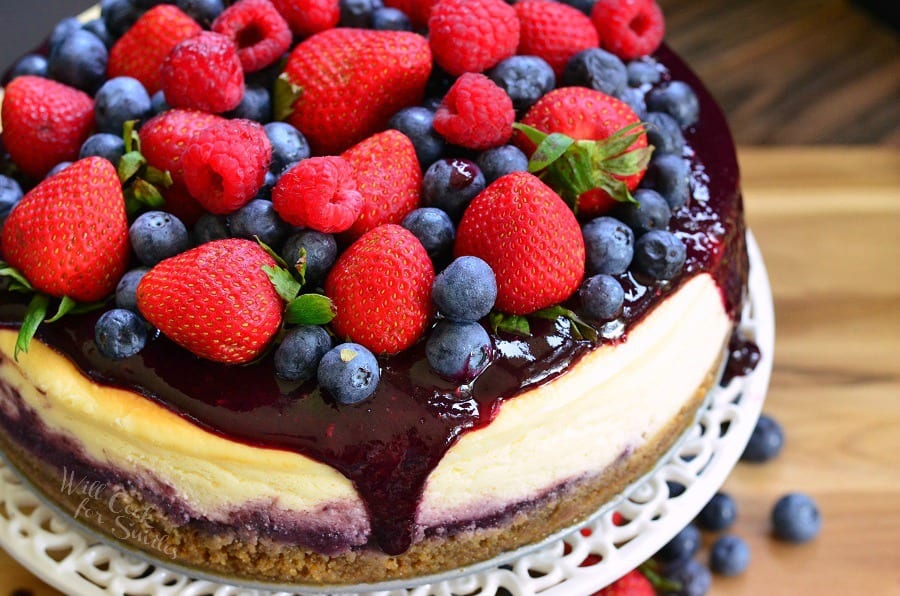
<point x="669" y="175"/>
<point x="684" y="545"/>
<point x="147" y="4"/>
<point x="693" y="577"/>
<point x="596" y="69"/>
<point x="645" y="71"/>
<point x="119" y="100"/>
<point x="58" y="168"/>
<point x="258" y="219"/>
<point x="525" y="79"/>
<point x="288" y="145"/>
<point x="349" y="373"/>
<point x="358" y="13"/>
<point x="501" y="161"/>
<point x="210" y="227"/>
<point x="676" y="99"/>
<point x="438" y="84"/>
<point x="267" y="76"/>
<point x="30" y="64"/>
<point x="108" y="146"/>
<point x="432" y="103"/>
<point x="651" y="212"/>
<point x="729" y="556"/>
<point x="321" y="252"/>
<point x="120" y="333"/>
<point x="119" y="15"/>
<point x="659" y="255"/>
<point x="466" y="290"/>
<point x="62" y="30"/>
<point x="126" y="290"/>
<point x="79" y="61"/>
<point x="416" y="123"/>
<point x="602" y="297"/>
<point x="10" y="195"/>
<point x="157" y="235"/>
<point x="664" y="133"/>
<point x="796" y="518"/>
<point x="585" y="6"/>
<point x="98" y="28"/>
<point x="265" y="191"/>
<point x="719" y="513"/>
<point x="635" y="100"/>
<point x="256" y="105"/>
<point x="434" y="229"/>
<point x="458" y="351"/>
<point x="297" y="357"/>
<point x="451" y="184"/>
<point x="158" y="103"/>
<point x="765" y="442"/>
<point x="202" y="11"/>
<point x="390" y="19"/>
<point x="609" y="246"/>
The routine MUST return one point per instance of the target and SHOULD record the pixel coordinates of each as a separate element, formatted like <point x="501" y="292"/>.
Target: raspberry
<point x="307" y="17"/>
<point x="319" y="193"/>
<point x="417" y="10"/>
<point x="204" y="73"/>
<point x="629" y="28"/>
<point x="554" y="32"/>
<point x="259" y="31"/>
<point x="475" y="113"/>
<point x="472" y="35"/>
<point x="226" y="164"/>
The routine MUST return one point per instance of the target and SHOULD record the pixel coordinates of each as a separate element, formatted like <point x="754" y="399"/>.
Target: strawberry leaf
<point x="18" y="281"/>
<point x="140" y="195"/>
<point x="514" y="324"/>
<point x="581" y="328"/>
<point x="551" y="149"/>
<point x="66" y="305"/>
<point x="158" y="177"/>
<point x="628" y="163"/>
<point x="285" y="94"/>
<point x="130" y="136"/>
<point x="310" y="309"/>
<point x="271" y="252"/>
<point x="34" y="316"/>
<point x="129" y="165"/>
<point x="284" y="283"/>
<point x="532" y="134"/>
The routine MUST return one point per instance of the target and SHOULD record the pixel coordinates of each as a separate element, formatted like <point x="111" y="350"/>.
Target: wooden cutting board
<point x="828" y="223"/>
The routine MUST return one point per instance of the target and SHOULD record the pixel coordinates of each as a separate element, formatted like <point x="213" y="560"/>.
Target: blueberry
<point x="259" y="219"/>
<point x="288" y="145"/>
<point x="678" y="100"/>
<point x="62" y="30"/>
<point x="79" y="61"/>
<point x="651" y="212"/>
<point x="416" y="123"/>
<point x="602" y="297"/>
<point x="466" y="290"/>
<point x="209" y="227"/>
<point x="119" y="100"/>
<point x="105" y="145"/>
<point x="120" y="333"/>
<point x="297" y="357"/>
<point x="358" y="13"/>
<point x="58" y="168"/>
<point x="256" y="105"/>
<point x="30" y="64"/>
<point x="609" y="245"/>
<point x="390" y="19"/>
<point x="119" y="15"/>
<point x="669" y="175"/>
<point x="433" y="228"/>
<point x="645" y="71"/>
<point x="635" y="100"/>
<point x="10" y="195"/>
<point x="659" y="255"/>
<point x="98" y="28"/>
<point x="664" y="133"/>
<point x="458" y="351"/>
<point x="684" y="545"/>
<point x="202" y="11"/>
<point x="126" y="290"/>
<point x="501" y="161"/>
<point x="349" y="372"/>
<point x="451" y="184"/>
<point x="796" y="518"/>
<point x="718" y="514"/>
<point x="729" y="556"/>
<point x="321" y="252"/>
<point x="157" y="235"/>
<point x="525" y="79"/>
<point x="269" y="182"/>
<point x="693" y="577"/>
<point x="596" y="69"/>
<point x="158" y="103"/>
<point x="765" y="442"/>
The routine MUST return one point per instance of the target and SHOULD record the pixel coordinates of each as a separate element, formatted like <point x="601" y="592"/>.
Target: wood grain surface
<point x="828" y="223"/>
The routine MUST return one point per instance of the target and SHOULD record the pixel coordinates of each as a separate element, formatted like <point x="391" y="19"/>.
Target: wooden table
<point x="828" y="222"/>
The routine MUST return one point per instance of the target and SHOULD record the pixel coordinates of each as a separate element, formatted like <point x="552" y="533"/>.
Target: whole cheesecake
<point x="234" y="471"/>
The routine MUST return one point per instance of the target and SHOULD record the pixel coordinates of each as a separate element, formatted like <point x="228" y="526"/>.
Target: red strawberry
<point x="44" y="123"/>
<point x="257" y="29"/>
<point x="633" y="583"/>
<point x="69" y="235"/>
<point x="529" y="237"/>
<point x="472" y="35"/>
<point x="389" y="177"/>
<point x="629" y="28"/>
<point x="418" y="11"/>
<point x="381" y="290"/>
<point x="214" y="300"/>
<point x="165" y="137"/>
<point x="140" y="52"/>
<point x="608" y="167"/>
<point x="554" y="32"/>
<point x="369" y="74"/>
<point x="307" y="17"/>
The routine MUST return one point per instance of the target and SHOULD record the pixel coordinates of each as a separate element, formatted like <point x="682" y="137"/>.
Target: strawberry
<point x="339" y="72"/>
<point x="554" y="32"/>
<point x="44" y="123"/>
<point x="418" y="11"/>
<point x="381" y="289"/>
<point x="214" y="300"/>
<point x="529" y="237"/>
<point x="599" y="155"/>
<point x="307" y="17"/>
<point x="389" y="177"/>
<point x="140" y="52"/>
<point x="633" y="583"/>
<point x="165" y="137"/>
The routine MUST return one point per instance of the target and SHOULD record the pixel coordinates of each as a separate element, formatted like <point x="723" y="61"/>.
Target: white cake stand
<point x="77" y="562"/>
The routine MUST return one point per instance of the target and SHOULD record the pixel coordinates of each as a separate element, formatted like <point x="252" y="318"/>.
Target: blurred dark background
<point x="785" y="71"/>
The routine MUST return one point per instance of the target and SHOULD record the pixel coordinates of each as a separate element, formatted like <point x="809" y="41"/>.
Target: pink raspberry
<point x="472" y="35"/>
<point x="629" y="28"/>
<point x="226" y="164"/>
<point x="307" y="17"/>
<point x="259" y="31"/>
<point x="475" y="113"/>
<point x="554" y="32"/>
<point x="319" y="193"/>
<point x="204" y="73"/>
